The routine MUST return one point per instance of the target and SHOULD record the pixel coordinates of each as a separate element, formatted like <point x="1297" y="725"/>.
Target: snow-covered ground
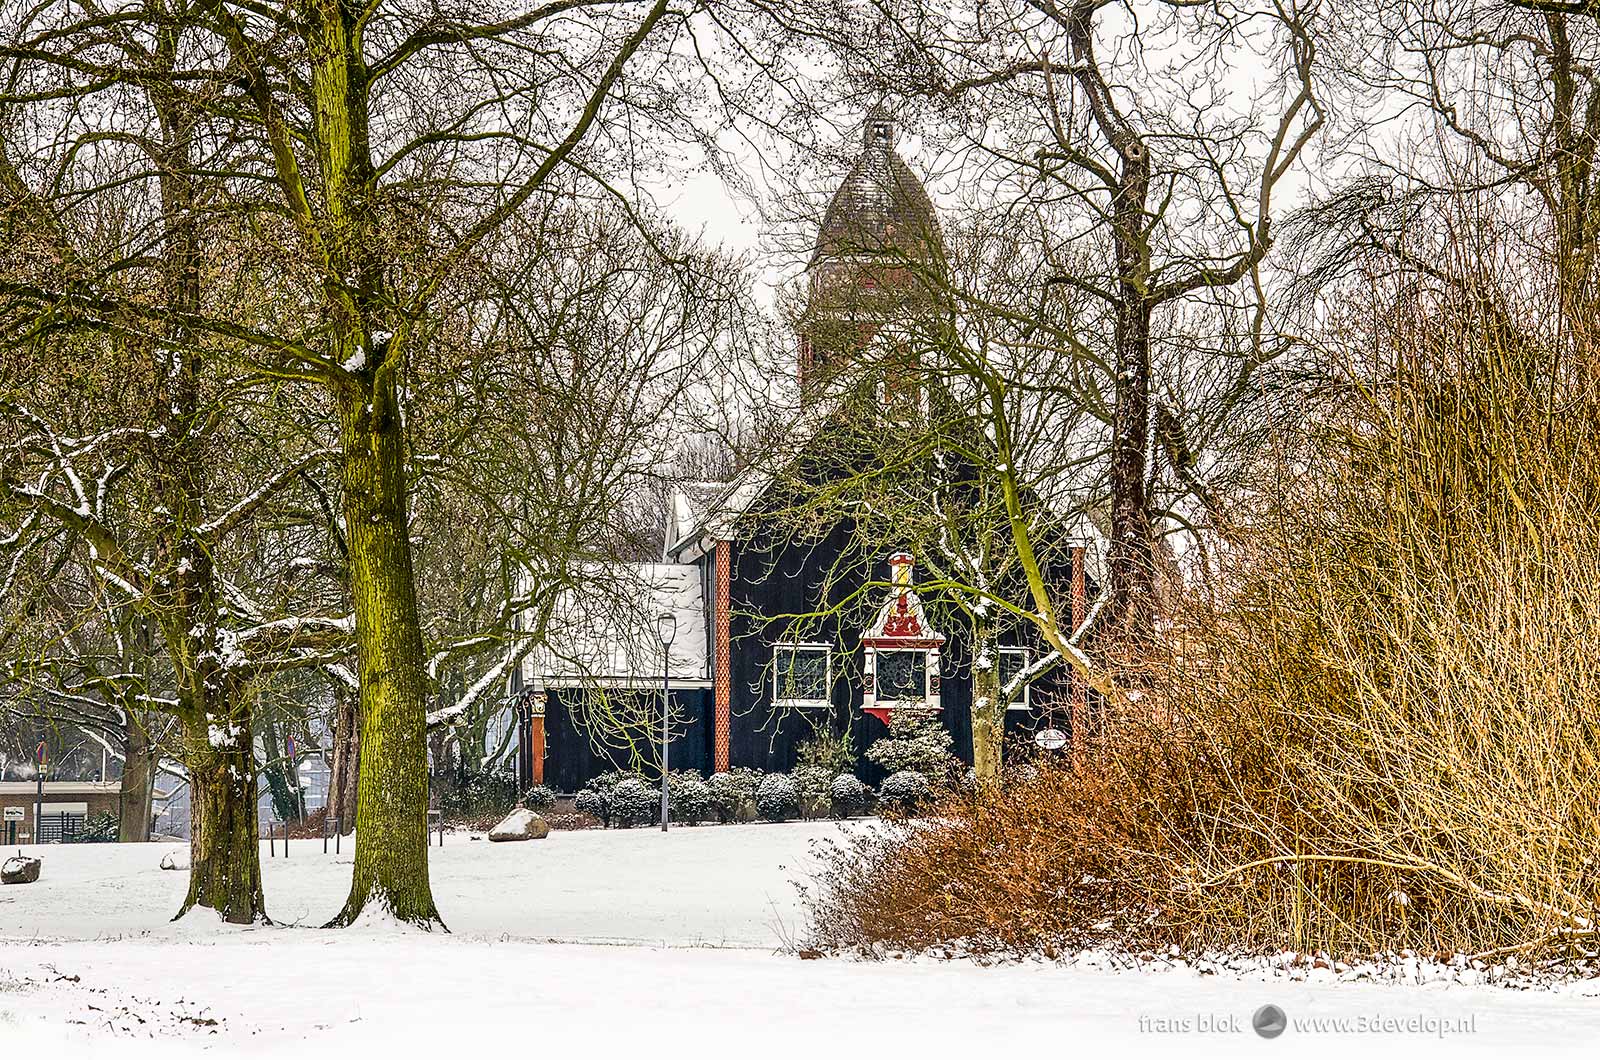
<point x="623" y="941"/>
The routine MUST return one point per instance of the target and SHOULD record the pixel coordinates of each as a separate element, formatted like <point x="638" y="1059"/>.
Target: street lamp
<point x="666" y="629"/>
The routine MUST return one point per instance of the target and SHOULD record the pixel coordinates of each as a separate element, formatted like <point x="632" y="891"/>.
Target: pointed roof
<point x="881" y="207"/>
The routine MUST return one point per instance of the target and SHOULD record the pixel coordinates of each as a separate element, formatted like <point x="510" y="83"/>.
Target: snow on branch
<point x="492" y="677"/>
<point x="1028" y="674"/>
<point x="242" y="510"/>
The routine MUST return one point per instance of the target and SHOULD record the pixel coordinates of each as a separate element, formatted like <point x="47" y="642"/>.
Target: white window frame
<point x="791" y="646"/>
<point x="1025" y="703"/>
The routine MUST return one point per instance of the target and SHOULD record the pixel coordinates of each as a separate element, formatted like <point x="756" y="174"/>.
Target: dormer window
<point x="901" y="664"/>
<point x="878" y="129"/>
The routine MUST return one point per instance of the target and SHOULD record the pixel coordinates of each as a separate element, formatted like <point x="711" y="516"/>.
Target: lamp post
<point x="666" y="629"/>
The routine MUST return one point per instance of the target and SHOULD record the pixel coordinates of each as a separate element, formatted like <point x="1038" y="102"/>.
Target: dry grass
<point x="1382" y="733"/>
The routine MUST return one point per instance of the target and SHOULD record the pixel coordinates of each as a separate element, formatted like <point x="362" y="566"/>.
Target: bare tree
<point x="1111" y="129"/>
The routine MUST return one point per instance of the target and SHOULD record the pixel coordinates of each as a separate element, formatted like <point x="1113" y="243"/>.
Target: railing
<point x="60" y="827"/>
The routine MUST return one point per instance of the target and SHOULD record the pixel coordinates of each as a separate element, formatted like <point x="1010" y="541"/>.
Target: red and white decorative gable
<point x="902" y="650"/>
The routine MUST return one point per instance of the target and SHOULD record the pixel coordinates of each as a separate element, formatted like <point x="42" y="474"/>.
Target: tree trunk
<point x="391" y="859"/>
<point x="138" y="783"/>
<point x="1131" y="556"/>
<point x="224" y="845"/>
<point x="988" y="710"/>
<point x="1130" y="608"/>
<point x="346" y="762"/>
<point x="283" y="781"/>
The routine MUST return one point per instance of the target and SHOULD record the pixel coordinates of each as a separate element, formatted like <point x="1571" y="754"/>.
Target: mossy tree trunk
<point x="343" y="785"/>
<point x="988" y="711"/>
<point x="391" y="860"/>
<point x="224" y="847"/>
<point x="137" y="788"/>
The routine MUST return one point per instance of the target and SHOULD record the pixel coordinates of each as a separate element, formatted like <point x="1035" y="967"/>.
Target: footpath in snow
<point x="621" y="941"/>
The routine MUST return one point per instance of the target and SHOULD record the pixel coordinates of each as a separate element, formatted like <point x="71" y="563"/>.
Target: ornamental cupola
<point x="876" y="251"/>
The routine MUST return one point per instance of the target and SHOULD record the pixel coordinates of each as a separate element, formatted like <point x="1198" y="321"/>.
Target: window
<point x="802" y="674"/>
<point x="1012" y="662"/>
<point x="902" y="676"/>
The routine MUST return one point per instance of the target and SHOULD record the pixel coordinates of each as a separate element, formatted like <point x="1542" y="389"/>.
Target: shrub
<point x="816" y="790"/>
<point x="607" y="782"/>
<point x="1380" y="737"/>
<point x="1026" y="866"/>
<point x="539" y="798"/>
<point x="917" y="741"/>
<point x="691" y="797"/>
<point x="97" y="828"/>
<point x="835" y="753"/>
<point x="849" y="796"/>
<point x="777" y="797"/>
<point x="476" y="793"/>
<point x="634" y="802"/>
<point x="905" y="791"/>
<point x="596" y="804"/>
<point x="733" y="793"/>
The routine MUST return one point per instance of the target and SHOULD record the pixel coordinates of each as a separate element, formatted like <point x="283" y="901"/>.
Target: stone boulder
<point x="176" y="860"/>
<point x="519" y="825"/>
<point x="19" y="869"/>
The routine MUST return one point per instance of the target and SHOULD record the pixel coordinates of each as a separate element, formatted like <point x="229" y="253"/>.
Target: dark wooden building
<point x="775" y="640"/>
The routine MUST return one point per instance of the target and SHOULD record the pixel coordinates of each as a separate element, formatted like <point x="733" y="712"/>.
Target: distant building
<point x="68" y="805"/>
<point x="748" y="688"/>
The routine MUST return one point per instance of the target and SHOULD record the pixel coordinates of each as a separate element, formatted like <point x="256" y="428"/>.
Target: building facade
<point x="779" y="637"/>
<point x="67" y="806"/>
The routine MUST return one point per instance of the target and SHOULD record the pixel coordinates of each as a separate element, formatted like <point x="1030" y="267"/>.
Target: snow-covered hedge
<point x="848" y="796"/>
<point x="596" y="804"/>
<point x="633" y="802"/>
<point x="623" y="800"/>
<point x="733" y="793"/>
<point x="905" y="791"/>
<point x="539" y="798"/>
<point x="816" y="790"/>
<point x="691" y="797"/>
<point x="777" y="797"/>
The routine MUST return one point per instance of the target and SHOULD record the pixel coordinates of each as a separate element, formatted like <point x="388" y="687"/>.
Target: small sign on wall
<point x="13" y="813"/>
<point x="1051" y="739"/>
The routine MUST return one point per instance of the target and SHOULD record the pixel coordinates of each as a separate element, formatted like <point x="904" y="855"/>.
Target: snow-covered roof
<point x="712" y="518"/>
<point x="609" y="636"/>
<point x="61" y="787"/>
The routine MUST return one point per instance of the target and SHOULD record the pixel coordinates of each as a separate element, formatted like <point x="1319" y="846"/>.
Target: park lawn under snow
<point x="620" y="941"/>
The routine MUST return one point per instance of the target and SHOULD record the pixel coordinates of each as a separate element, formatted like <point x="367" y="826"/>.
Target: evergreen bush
<point x="777" y="797"/>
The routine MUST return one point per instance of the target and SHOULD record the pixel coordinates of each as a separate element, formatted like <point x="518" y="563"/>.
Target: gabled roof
<point x="712" y="520"/>
<point x="609" y="637"/>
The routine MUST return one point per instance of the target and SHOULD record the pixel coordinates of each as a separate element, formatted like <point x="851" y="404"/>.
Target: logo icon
<point x="1269" y="1021"/>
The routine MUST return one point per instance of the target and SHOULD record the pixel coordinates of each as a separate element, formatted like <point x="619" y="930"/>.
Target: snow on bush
<point x="849" y="796"/>
<point x="690" y="795"/>
<point x="917" y="741"/>
<point x="816" y="790"/>
<point x="607" y="782"/>
<point x="596" y="804"/>
<point x="733" y="793"/>
<point x="633" y="802"/>
<point x="905" y="791"/>
<point x="777" y="797"/>
<point x="539" y="798"/>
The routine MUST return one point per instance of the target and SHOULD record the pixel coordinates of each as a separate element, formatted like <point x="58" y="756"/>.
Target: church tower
<point x="878" y="249"/>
